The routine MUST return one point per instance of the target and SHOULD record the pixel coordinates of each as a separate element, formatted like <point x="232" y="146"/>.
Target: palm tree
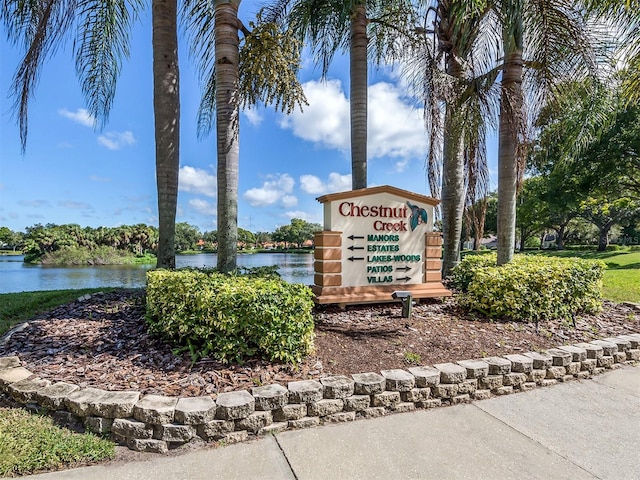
<point x="234" y="77"/>
<point x="558" y="48"/>
<point x="102" y="42"/>
<point x="363" y="27"/>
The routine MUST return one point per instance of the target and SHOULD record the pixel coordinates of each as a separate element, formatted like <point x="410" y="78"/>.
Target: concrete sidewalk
<point x="586" y="429"/>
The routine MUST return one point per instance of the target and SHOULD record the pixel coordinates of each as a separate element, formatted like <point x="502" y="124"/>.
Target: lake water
<point x="16" y="276"/>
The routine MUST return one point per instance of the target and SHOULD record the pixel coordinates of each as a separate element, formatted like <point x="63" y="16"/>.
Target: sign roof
<point x="376" y="190"/>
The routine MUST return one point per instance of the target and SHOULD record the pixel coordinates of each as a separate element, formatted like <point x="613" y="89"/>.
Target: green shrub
<point x="530" y="287"/>
<point x="230" y="318"/>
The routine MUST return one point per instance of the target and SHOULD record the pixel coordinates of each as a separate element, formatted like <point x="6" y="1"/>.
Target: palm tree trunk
<point x="166" y="107"/>
<point x="511" y="104"/>
<point x="358" y="95"/>
<point x="227" y="130"/>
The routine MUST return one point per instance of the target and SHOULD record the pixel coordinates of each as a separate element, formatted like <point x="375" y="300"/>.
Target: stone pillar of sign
<point x="328" y="259"/>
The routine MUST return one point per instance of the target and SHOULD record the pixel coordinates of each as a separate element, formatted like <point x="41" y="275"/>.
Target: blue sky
<point x="73" y="173"/>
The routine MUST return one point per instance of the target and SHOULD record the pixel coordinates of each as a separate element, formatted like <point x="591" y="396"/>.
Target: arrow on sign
<point x="355" y="258"/>
<point x="406" y="279"/>
<point x="353" y="237"/>
<point x="404" y="269"/>
<point x="352" y="248"/>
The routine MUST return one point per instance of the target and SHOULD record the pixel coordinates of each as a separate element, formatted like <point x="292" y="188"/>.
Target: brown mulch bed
<point x="102" y="342"/>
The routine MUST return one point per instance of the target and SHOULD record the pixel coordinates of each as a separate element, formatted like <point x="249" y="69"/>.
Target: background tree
<point x="605" y="213"/>
<point x="187" y="236"/>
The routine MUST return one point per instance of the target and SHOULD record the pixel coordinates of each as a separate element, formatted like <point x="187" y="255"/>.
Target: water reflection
<point x="16" y="276"/>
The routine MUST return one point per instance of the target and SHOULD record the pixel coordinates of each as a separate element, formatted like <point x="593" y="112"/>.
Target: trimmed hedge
<point x="230" y="318"/>
<point x="529" y="287"/>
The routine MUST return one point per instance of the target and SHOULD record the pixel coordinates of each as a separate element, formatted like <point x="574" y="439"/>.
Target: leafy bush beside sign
<point x="530" y="287"/>
<point x="230" y="318"/>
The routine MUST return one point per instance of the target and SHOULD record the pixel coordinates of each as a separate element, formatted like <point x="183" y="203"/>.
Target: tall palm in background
<point x="364" y="28"/>
<point x="101" y="42"/>
<point x="234" y="76"/>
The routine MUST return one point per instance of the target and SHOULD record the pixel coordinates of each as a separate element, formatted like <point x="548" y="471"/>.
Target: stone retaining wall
<point x="155" y="423"/>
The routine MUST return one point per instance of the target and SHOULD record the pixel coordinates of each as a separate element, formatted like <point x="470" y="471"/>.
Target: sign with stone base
<point x="376" y="241"/>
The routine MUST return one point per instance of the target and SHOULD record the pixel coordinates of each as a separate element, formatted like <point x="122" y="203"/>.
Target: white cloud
<point x="202" y="206"/>
<point x="75" y="205"/>
<point x="34" y="203"/>
<point x="395" y="124"/>
<point x="81" y="116"/>
<point x="326" y="119"/>
<point x="116" y="140"/>
<point x="196" y="180"/>
<point x="276" y="188"/>
<point x="254" y="117"/>
<point x="336" y="183"/>
<point x="309" y="217"/>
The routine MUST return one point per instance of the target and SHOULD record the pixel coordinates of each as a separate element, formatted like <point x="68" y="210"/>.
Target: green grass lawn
<point x="31" y="443"/>
<point x="622" y="277"/>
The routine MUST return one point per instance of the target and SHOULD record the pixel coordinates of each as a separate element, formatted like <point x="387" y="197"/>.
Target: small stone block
<point x="623" y="345"/>
<point x="560" y="357"/>
<point x="13" y="375"/>
<point x="25" y="391"/>
<point x="155" y="409"/>
<point x="615" y="366"/>
<point x="547" y="382"/>
<point x="583" y="374"/>
<point x="589" y="365"/>
<point x="526" y="386"/>
<point x="177" y="433"/>
<point x="520" y="363"/>
<point x="433" y="403"/>
<point x="593" y="351"/>
<point x="490" y="382"/>
<point x="53" y="396"/>
<point x="416" y="395"/>
<point x="633" y="354"/>
<point x="498" y="365"/>
<point x="578" y="354"/>
<point x="254" y="422"/>
<point x="80" y="401"/>
<point x="398" y="380"/>
<point x="273" y="428"/>
<point x="368" y="383"/>
<point x="445" y="390"/>
<point x="605" y="361"/>
<point x="305" y="391"/>
<point x="304" y="422"/>
<point x="425" y="376"/>
<point x="608" y="348"/>
<point x="514" y="379"/>
<point x="464" y="398"/>
<point x="481" y="394"/>
<point x="556" y="373"/>
<point x="355" y="403"/>
<point x="215" y="429"/>
<point x="620" y="357"/>
<point x="541" y="360"/>
<point x="98" y="425"/>
<point x="235" y="437"/>
<point x="404" y="407"/>
<point x="130" y="428"/>
<point x="385" y="399"/>
<point x="114" y="404"/>
<point x="66" y="420"/>
<point x="9" y="362"/>
<point x="599" y="370"/>
<point x="234" y="405"/>
<point x="372" y="412"/>
<point x="325" y="407"/>
<point x="468" y="386"/>
<point x="567" y="378"/>
<point x="451" y="373"/>
<point x="337" y="386"/>
<point x="341" y="417"/>
<point x="147" y="445"/>
<point x="475" y="368"/>
<point x="536" y="375"/>
<point x="633" y="339"/>
<point x="573" y="368"/>
<point x="195" y="410"/>
<point x="270" y="397"/>
<point x="506" y="390"/>
<point x="294" y="411"/>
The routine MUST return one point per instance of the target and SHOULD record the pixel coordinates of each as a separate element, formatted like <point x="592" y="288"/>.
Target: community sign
<point x="376" y="241"/>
